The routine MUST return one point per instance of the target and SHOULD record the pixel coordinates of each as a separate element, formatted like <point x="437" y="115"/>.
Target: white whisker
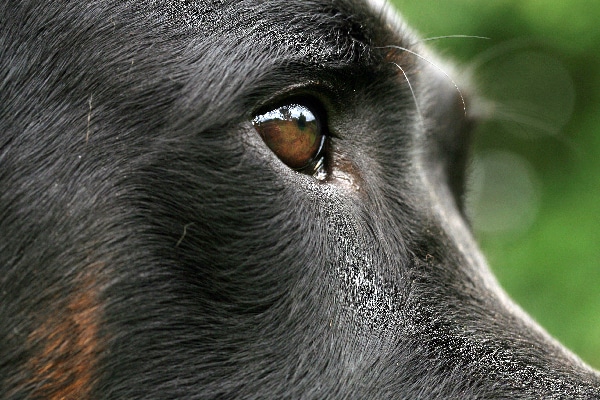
<point x="411" y="91"/>
<point x="437" y="67"/>
<point x="452" y="37"/>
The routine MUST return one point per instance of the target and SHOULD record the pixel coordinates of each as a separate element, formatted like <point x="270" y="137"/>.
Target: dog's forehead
<point x="317" y="27"/>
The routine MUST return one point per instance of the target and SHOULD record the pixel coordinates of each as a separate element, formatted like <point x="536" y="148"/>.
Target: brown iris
<point x="293" y="133"/>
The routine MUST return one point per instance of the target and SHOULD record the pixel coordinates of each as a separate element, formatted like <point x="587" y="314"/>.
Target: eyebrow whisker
<point x="462" y="99"/>
<point x="430" y="39"/>
<point x="412" y="91"/>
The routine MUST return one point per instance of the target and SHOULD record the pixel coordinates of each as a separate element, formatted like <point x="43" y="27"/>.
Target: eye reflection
<point x="295" y="135"/>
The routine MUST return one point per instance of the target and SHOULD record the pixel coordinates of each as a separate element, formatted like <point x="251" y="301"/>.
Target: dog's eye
<point x="295" y="134"/>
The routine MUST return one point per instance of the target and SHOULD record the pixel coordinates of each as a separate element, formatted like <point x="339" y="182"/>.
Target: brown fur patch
<point x="67" y="345"/>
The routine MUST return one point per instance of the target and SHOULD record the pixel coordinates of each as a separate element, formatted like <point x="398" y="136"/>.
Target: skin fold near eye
<point x="293" y="133"/>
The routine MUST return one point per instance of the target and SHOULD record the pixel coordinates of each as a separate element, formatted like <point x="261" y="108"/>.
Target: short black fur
<point x="152" y="246"/>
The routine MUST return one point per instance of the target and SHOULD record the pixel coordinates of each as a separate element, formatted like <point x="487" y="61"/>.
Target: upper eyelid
<point x="309" y="100"/>
<point x="302" y="95"/>
<point x="321" y="85"/>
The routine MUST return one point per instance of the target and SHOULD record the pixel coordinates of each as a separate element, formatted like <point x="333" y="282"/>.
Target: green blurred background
<point x="535" y="182"/>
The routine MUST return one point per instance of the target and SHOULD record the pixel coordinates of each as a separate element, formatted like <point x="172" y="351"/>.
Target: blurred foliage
<point x="541" y="63"/>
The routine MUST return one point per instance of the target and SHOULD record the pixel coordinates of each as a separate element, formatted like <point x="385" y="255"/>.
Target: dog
<point x="246" y="199"/>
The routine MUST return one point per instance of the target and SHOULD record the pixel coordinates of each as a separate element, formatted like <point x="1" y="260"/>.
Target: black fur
<point x="152" y="246"/>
